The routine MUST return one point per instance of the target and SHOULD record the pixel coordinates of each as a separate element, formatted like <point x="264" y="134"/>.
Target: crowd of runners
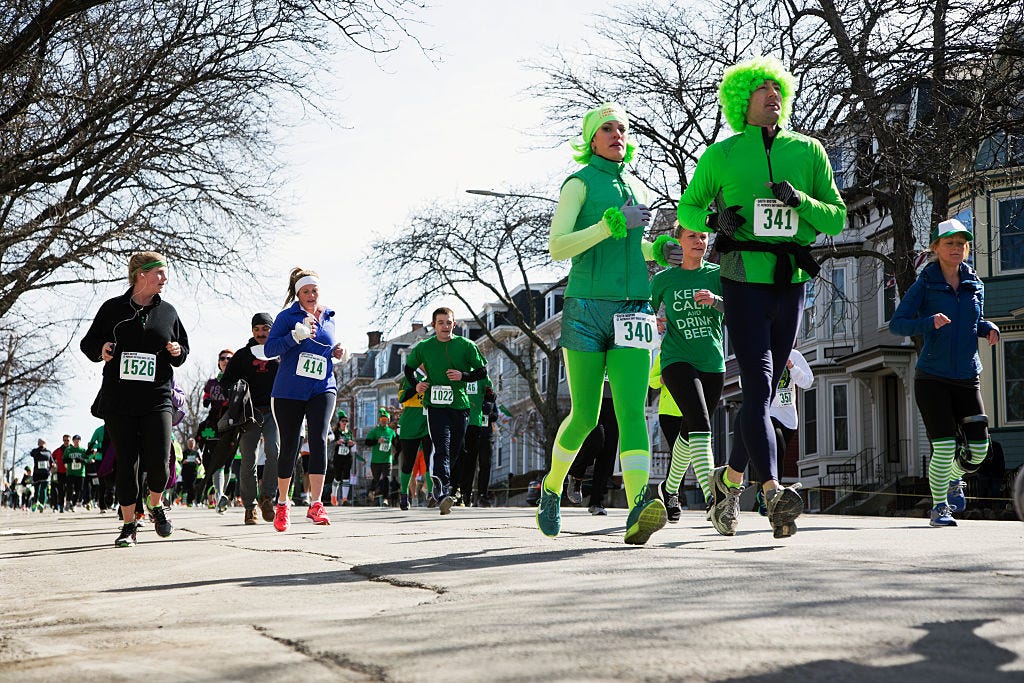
<point x="274" y="431"/>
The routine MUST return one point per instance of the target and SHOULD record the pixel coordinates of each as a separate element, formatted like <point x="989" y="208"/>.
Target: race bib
<point x="772" y="218"/>
<point x="312" y="366"/>
<point x="471" y="388"/>
<point x="785" y="397"/>
<point x="484" y="421"/>
<point x="138" y="367"/>
<point x="95" y="481"/>
<point x="441" y="395"/>
<point x="636" y="330"/>
<point x="190" y="459"/>
<point x="76" y="465"/>
<point x="42" y="464"/>
<point x="343" y="450"/>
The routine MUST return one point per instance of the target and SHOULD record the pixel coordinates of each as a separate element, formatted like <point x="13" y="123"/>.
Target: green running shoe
<point x="549" y="511"/>
<point x="646" y="517"/>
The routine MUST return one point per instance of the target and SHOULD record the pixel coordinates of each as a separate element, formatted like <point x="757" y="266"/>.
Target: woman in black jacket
<point x="139" y="338"/>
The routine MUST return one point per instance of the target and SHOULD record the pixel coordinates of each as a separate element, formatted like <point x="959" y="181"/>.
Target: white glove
<point x="301" y="332"/>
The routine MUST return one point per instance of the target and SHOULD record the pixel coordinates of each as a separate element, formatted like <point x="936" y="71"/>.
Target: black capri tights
<point x="944" y="403"/>
<point x="289" y="413"/>
<point x="695" y="392"/>
<point x="141" y="442"/>
<point x="409" y="449"/>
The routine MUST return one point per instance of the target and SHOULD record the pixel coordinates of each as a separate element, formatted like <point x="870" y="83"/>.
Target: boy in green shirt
<point x="74" y="459"/>
<point x="380" y="438"/>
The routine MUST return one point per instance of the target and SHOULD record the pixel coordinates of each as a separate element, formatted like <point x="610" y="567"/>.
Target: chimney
<point x="373" y="338"/>
<point x="416" y="327"/>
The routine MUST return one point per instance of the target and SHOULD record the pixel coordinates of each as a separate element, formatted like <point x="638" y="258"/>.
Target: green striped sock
<point x="978" y="452"/>
<point x="680" y="461"/>
<point x="940" y="469"/>
<point x="702" y="460"/>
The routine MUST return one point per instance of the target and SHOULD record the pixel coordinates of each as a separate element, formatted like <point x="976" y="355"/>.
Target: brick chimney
<point x="373" y="338"/>
<point x="417" y="327"/>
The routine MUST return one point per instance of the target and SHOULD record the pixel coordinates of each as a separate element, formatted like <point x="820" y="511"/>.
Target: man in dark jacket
<point x="258" y="371"/>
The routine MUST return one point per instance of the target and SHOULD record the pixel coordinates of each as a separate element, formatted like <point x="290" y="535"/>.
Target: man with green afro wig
<point x="771" y="191"/>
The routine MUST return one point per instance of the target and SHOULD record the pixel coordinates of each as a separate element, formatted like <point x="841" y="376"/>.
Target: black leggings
<point x="943" y="404"/>
<point x="73" y="490"/>
<point x="762" y="321"/>
<point x="695" y="392"/>
<point x="141" y="443"/>
<point x="599" y="448"/>
<point x="289" y="414"/>
<point x="447" y="428"/>
<point x="409" y="449"/>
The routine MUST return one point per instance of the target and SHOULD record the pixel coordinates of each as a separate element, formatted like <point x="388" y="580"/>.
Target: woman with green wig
<point x="608" y="325"/>
<point x="773" y="192"/>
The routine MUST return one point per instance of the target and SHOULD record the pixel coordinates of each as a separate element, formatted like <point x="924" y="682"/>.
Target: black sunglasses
<point x="224" y="358"/>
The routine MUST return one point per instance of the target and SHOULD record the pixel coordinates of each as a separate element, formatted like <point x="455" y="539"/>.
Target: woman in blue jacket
<point x="304" y="388"/>
<point x="946" y="307"/>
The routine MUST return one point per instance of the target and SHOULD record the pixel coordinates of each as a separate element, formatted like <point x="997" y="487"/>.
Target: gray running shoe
<point x="222" y="504"/>
<point x="784" y="506"/>
<point x="671" y="501"/>
<point x="725" y="510"/>
<point x="575" y="491"/>
<point x="597" y="510"/>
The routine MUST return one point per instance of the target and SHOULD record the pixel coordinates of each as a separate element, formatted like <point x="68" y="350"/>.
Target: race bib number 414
<point x="772" y="218"/>
<point x="311" y="365"/>
<point x="636" y="330"/>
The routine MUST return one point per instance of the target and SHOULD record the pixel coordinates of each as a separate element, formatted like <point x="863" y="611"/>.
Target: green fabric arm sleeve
<point x="564" y="242"/>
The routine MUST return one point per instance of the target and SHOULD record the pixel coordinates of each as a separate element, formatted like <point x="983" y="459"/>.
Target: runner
<point x="42" y="464"/>
<point x="344" y="445"/>
<point x="259" y="372"/>
<point x="412" y="436"/>
<point x="139" y="338"/>
<point x="381" y="440"/>
<point x="692" y="362"/>
<point x="783" y="411"/>
<point x="59" y="489"/>
<point x="75" y="460"/>
<point x="304" y="388"/>
<point x="608" y="326"/>
<point x="946" y="306"/>
<point x="449" y="361"/>
<point x="190" y="463"/>
<point x="218" y="449"/>
<point x="774" y="192"/>
<point x="476" y="448"/>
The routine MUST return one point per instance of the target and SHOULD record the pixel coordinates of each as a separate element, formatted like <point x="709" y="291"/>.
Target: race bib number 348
<point x="311" y="365"/>
<point x="772" y="218"/>
<point x="138" y="367"/>
<point x="636" y="330"/>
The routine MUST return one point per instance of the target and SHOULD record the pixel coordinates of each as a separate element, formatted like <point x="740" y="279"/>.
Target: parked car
<point x="533" y="492"/>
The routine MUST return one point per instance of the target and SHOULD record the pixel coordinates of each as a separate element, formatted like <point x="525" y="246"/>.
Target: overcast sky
<point x="414" y="130"/>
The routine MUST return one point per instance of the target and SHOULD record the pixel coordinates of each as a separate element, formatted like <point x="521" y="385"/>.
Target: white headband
<point x="306" y="280"/>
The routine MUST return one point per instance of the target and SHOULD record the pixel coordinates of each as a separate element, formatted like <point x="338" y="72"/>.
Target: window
<point x="367" y="408"/>
<point x="810" y="319"/>
<point x="561" y="367"/>
<point x="837" y="307"/>
<point x="888" y="294"/>
<point x="835" y="158"/>
<point x="840" y="418"/>
<point x="810" y="413"/>
<point x="1011" y="234"/>
<point x="381" y="362"/>
<point x="1013" y="371"/>
<point x="552" y="304"/>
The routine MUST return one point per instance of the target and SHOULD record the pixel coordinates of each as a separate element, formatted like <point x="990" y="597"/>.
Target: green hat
<point x="383" y="412"/>
<point x="342" y="415"/>
<point x="740" y="81"/>
<point x="949" y="228"/>
<point x="594" y="119"/>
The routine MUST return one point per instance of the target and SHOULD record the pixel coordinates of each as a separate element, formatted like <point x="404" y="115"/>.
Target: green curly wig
<point x="740" y="80"/>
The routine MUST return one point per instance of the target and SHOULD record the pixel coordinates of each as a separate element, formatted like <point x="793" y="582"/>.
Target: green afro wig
<point x="740" y="80"/>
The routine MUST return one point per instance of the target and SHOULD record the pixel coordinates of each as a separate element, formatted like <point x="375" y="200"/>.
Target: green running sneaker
<point x="549" y="511"/>
<point x="646" y="517"/>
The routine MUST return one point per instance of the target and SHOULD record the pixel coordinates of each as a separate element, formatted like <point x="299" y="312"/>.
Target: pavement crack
<point x="400" y="583"/>
<point x="331" y="660"/>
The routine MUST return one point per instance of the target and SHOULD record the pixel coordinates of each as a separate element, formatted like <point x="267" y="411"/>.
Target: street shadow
<point x="481" y="559"/>
<point x="952" y="651"/>
<point x="47" y="552"/>
<point x="305" y="579"/>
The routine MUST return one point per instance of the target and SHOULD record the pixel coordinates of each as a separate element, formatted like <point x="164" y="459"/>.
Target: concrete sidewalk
<point x="481" y="595"/>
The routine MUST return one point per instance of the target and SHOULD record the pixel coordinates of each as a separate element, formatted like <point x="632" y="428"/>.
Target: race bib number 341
<point x="772" y="218"/>
<point x="636" y="330"/>
<point x="138" y="367"/>
<point x="311" y="365"/>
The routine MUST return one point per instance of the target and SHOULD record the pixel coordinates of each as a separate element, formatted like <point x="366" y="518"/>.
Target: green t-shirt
<point x="437" y="358"/>
<point x="693" y="331"/>
<point x="475" y="391"/>
<point x="412" y="423"/>
<point x="74" y="460"/>
<point x="381" y="453"/>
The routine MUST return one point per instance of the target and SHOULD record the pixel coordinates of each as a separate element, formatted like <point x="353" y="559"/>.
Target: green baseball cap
<point x="950" y="228"/>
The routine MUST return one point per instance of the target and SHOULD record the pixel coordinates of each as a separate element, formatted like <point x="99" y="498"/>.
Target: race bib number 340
<point x="636" y="330"/>
<point x="311" y="365"/>
<point x="138" y="367"/>
<point x="772" y="218"/>
<point x="441" y="395"/>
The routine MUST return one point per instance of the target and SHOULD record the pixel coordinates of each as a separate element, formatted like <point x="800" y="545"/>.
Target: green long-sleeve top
<point x="381" y="452"/>
<point x="74" y="458"/>
<point x="738" y="168"/>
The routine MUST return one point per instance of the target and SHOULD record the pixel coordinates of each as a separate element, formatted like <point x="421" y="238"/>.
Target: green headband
<point x="594" y="119"/>
<point x="151" y="265"/>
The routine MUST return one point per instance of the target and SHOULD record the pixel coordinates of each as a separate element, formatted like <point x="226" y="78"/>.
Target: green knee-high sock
<point x="636" y="471"/>
<point x="680" y="462"/>
<point x="430" y="482"/>
<point x="403" y="482"/>
<point x="940" y="469"/>
<point x="702" y="460"/>
<point x="978" y="452"/>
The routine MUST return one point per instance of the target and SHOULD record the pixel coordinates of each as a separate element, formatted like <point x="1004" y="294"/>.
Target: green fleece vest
<point x="614" y="269"/>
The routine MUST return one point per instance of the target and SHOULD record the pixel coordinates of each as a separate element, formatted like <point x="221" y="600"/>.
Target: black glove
<point x="786" y="193"/>
<point x="726" y="221"/>
<point x="637" y="215"/>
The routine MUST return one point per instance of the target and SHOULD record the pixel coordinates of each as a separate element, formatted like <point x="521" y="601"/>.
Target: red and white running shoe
<point x="318" y="514"/>
<point x="281" y="517"/>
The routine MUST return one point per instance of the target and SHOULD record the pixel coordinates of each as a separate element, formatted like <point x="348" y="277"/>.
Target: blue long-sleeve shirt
<point x="952" y="350"/>
<point x="298" y="360"/>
